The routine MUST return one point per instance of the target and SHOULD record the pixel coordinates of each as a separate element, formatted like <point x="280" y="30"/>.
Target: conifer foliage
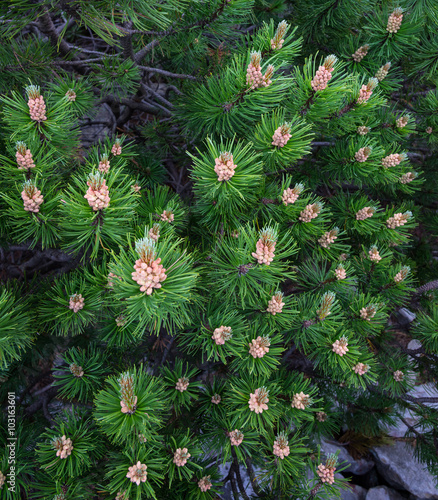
<point x="211" y="216"/>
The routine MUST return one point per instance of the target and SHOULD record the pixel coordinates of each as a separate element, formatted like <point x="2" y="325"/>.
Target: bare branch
<point x="168" y="73"/>
<point x="432" y="285"/>
<point x="48" y="28"/>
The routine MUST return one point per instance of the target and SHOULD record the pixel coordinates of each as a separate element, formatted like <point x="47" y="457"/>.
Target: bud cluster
<point x="374" y="254"/>
<point x="224" y="166"/>
<point x="276" y="304"/>
<point x="367" y="90"/>
<point x="360" y="53"/>
<point x="116" y="150"/>
<point x="360" y="369"/>
<point x="121" y="320"/>
<point x="326" y="304"/>
<point x="128" y="398"/>
<point x="402" y="274"/>
<point x="149" y="273"/>
<point x="402" y="122"/>
<point x="265" y="246"/>
<point x="104" y="164"/>
<point x="32" y="197"/>
<point x="167" y="216"/>
<point x="76" y="370"/>
<point x="110" y="282"/>
<point x="340" y="346"/>
<point x="393" y="160"/>
<point x="395" y="20"/>
<point x="254" y="75"/>
<point x="367" y="313"/>
<point x="205" y="484"/>
<point x="281" y="135"/>
<point x="324" y="73"/>
<point x="24" y="157"/>
<point x="182" y="384"/>
<point x="310" y="212"/>
<point x="98" y="193"/>
<point x="216" y="399"/>
<point x="257" y="400"/>
<point x="328" y="238"/>
<point x="382" y="72"/>
<point x="281" y="446"/>
<point x="408" y="177"/>
<point x="37" y="106"/>
<point x="278" y="40"/>
<point x="236" y="437"/>
<point x="137" y="473"/>
<point x="71" y="95"/>
<point x="63" y="446"/>
<point x="321" y="416"/>
<point x="362" y="155"/>
<point x="340" y="272"/>
<point x="76" y="302"/>
<point x="259" y="346"/>
<point x="398" y="375"/>
<point x="300" y="401"/>
<point x="222" y="334"/>
<point x="154" y="232"/>
<point x="362" y="130"/>
<point x="290" y="196"/>
<point x="326" y="474"/>
<point x="398" y="220"/>
<point x="365" y="213"/>
<point x="181" y="456"/>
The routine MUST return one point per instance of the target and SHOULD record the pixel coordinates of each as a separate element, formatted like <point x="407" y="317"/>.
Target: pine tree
<point x="216" y="278"/>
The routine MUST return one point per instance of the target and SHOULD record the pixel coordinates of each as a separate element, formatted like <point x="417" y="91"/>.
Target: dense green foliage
<point x="269" y="168"/>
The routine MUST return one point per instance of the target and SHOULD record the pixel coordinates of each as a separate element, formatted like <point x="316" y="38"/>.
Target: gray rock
<point x="358" y="467"/>
<point x="396" y="463"/>
<point x="414" y="344"/>
<point x="419" y="391"/>
<point x="405" y="316"/>
<point x="383" y="493"/>
<point x="399" y="430"/>
<point x="98" y="126"/>
<point x="354" y="492"/>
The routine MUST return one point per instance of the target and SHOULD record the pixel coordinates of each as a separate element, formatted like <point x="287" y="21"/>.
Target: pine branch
<point x="252" y="476"/>
<point x="432" y="285"/>
<point x="238" y="476"/>
<point x="35" y="381"/>
<point x="147" y="48"/>
<point x="134" y="105"/>
<point x="148" y="90"/>
<point x="231" y="477"/>
<point x="49" y="395"/>
<point x="87" y="51"/>
<point x="48" y="28"/>
<point x="81" y="62"/>
<point x="420" y="401"/>
<point x="168" y="73"/>
<point x="126" y="43"/>
<point x="46" y="412"/>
